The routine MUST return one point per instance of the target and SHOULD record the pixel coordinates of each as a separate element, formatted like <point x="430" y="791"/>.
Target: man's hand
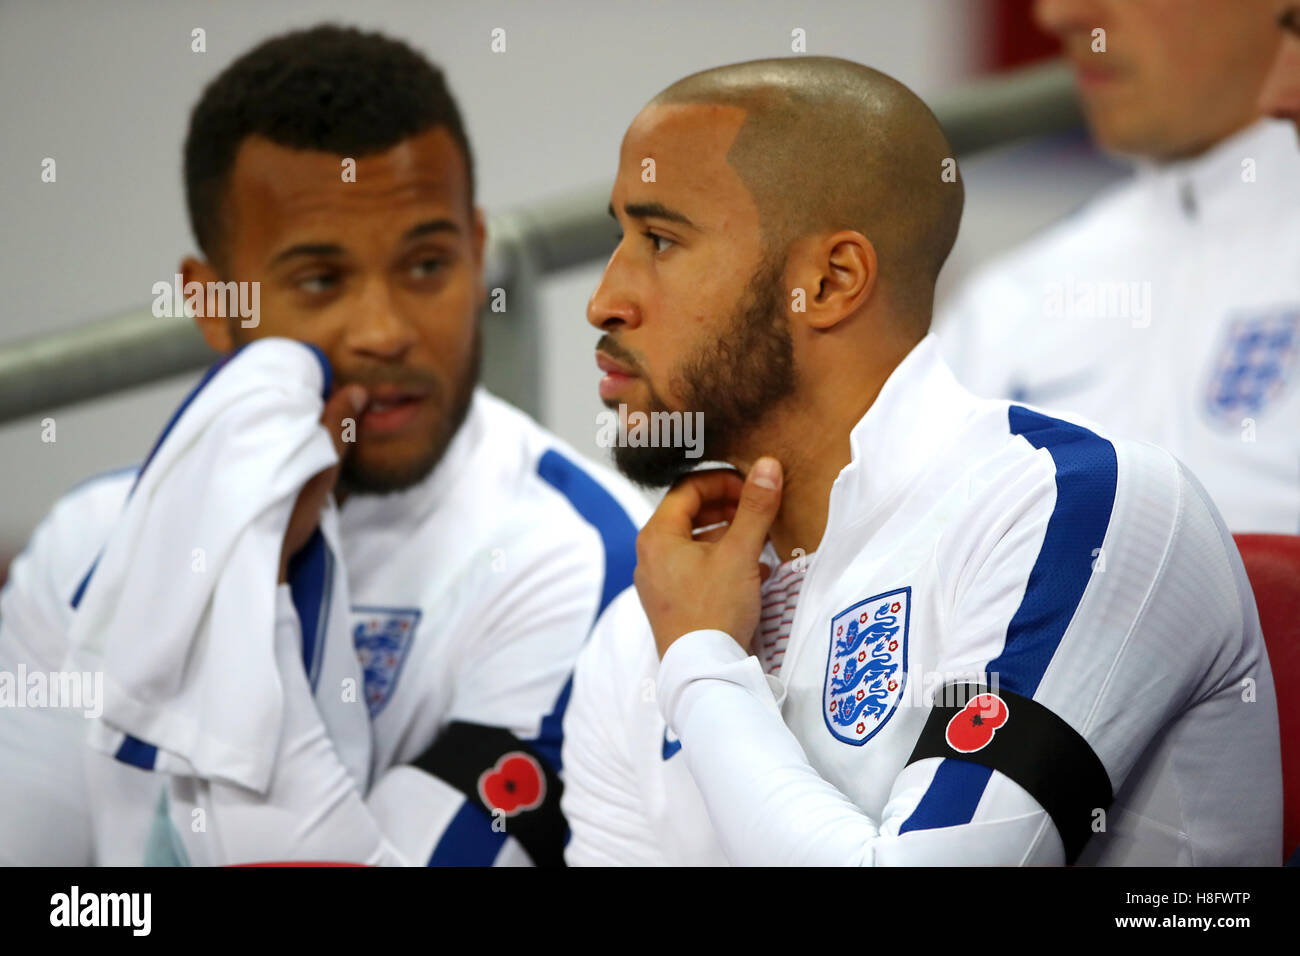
<point x="345" y="403"/>
<point x="688" y="583"/>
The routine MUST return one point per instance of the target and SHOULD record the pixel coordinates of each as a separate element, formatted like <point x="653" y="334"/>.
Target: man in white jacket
<point x="329" y="170"/>
<point x="1167" y="308"/>
<point x="993" y="636"/>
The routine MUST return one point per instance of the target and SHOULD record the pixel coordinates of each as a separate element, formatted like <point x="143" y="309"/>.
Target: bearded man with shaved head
<point x="909" y="625"/>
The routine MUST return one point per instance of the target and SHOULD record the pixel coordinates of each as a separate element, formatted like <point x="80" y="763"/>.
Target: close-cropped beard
<point x="735" y="381"/>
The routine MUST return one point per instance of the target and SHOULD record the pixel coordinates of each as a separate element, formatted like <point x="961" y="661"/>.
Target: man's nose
<point x="377" y="328"/>
<point x="611" y="305"/>
<point x="1063" y="17"/>
<point x="1280" y="97"/>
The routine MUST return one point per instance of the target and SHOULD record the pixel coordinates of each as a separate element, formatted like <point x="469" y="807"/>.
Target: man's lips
<point x="617" y="375"/>
<point x="391" y="408"/>
<point x="611" y="367"/>
<point x="1091" y="73"/>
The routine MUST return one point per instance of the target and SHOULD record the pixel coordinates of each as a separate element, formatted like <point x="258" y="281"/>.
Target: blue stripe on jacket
<point x="1086" y="473"/>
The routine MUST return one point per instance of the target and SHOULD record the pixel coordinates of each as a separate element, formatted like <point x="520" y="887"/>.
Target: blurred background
<point x="105" y="88"/>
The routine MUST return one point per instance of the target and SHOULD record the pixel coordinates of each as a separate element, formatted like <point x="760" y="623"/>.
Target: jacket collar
<point x="1211" y="186"/>
<point x="920" y="410"/>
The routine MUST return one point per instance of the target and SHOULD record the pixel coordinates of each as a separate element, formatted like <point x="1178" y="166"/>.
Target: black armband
<point x="507" y="780"/>
<point x="1023" y="740"/>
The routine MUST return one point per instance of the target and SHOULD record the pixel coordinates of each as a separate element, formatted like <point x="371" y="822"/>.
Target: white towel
<point x="179" y="609"/>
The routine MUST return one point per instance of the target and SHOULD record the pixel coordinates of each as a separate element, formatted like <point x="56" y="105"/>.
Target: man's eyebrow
<point x="431" y="227"/>
<point x="652" y="210"/>
<point x="306" y="250"/>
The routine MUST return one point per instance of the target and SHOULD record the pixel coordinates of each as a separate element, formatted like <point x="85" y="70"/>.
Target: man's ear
<point x="831" y="277"/>
<point x="215" y="328"/>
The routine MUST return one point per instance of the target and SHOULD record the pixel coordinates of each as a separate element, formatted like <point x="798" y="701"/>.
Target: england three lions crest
<point x="382" y="636"/>
<point x="866" y="666"/>
<point x="1256" y="365"/>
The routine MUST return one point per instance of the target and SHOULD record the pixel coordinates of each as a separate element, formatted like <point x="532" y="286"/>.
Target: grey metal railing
<point x="108" y="355"/>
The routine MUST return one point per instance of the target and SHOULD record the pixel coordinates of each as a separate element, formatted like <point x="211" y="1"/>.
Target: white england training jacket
<point x="471" y="595"/>
<point x="1086" y="584"/>
<point x="1166" y="310"/>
